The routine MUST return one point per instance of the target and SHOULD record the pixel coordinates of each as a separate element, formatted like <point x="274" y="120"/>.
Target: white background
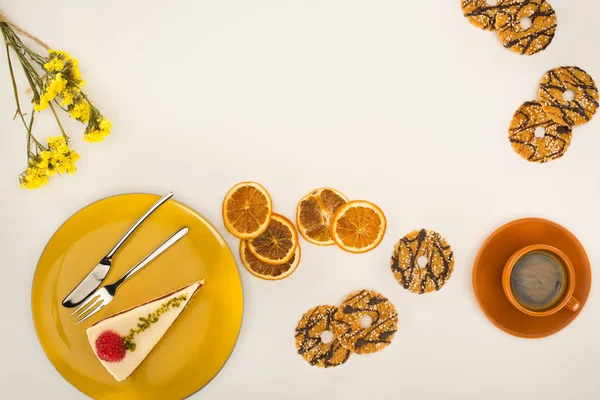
<point x="403" y="103"/>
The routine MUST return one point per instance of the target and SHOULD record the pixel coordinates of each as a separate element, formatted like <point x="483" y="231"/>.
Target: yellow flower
<point x="58" y="143"/>
<point x="43" y="160"/>
<point x="75" y="71"/>
<point x="67" y="97"/>
<point x="98" y="131"/>
<point x="59" y="54"/>
<point x="106" y="125"/>
<point x="60" y="60"/>
<point x="33" y="178"/>
<point x="54" y="65"/>
<point x="41" y="104"/>
<point x="74" y="157"/>
<point x="56" y="86"/>
<point x="59" y="158"/>
<point x="81" y="110"/>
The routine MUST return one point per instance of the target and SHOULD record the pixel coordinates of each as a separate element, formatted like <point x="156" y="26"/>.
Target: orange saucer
<point x="487" y="275"/>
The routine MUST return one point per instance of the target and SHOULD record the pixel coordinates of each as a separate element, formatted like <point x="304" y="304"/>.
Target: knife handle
<point x="127" y="234"/>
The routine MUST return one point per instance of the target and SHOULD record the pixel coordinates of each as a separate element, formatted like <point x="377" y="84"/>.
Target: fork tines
<point x="89" y="307"/>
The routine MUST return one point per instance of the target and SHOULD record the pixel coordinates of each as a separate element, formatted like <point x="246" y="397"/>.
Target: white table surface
<point x="401" y="103"/>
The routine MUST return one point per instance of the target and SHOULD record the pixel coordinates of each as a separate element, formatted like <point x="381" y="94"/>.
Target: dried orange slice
<point x="277" y="244"/>
<point x="247" y="210"/>
<point x="266" y="271"/>
<point x="314" y="214"/>
<point x="358" y="226"/>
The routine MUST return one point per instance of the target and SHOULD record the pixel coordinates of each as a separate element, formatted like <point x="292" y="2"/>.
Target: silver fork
<point x="104" y="295"/>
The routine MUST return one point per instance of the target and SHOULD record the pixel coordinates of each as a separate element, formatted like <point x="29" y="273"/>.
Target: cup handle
<point x="573" y="304"/>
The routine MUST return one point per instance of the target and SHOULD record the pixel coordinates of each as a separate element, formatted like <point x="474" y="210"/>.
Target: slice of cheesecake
<point x="122" y="341"/>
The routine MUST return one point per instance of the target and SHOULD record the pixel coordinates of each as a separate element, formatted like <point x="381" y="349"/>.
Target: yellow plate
<point x="199" y="342"/>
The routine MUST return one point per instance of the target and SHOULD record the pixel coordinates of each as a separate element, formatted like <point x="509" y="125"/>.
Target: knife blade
<point x="87" y="286"/>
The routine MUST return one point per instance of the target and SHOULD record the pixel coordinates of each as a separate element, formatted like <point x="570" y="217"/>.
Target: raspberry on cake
<point x="110" y="347"/>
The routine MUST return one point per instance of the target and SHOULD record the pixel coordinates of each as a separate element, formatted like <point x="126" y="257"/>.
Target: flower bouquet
<point x="55" y="86"/>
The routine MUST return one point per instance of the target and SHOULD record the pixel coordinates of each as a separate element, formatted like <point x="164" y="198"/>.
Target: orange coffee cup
<point x="566" y="300"/>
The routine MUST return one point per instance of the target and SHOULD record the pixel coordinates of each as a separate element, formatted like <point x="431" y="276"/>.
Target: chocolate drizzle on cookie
<point x="551" y="92"/>
<point x="483" y="15"/>
<point x="552" y="145"/>
<point x="309" y="343"/>
<point x="533" y="39"/>
<point x="348" y="327"/>
<point x="405" y="266"/>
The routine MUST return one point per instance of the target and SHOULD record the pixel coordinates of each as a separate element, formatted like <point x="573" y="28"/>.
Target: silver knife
<point x="93" y="280"/>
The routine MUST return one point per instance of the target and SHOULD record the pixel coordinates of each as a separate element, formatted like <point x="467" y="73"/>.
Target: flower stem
<point x="58" y="121"/>
<point x="19" y="111"/>
<point x="32" y="76"/>
<point x="29" y="129"/>
<point x="60" y="106"/>
<point x="15" y="89"/>
<point x="26" y="50"/>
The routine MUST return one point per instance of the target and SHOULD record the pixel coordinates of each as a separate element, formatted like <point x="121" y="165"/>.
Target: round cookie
<point x="551" y="92"/>
<point x="526" y="41"/>
<point x="440" y="261"/>
<point x="309" y="343"/>
<point x="348" y="326"/>
<point x="552" y="145"/>
<point x="482" y="14"/>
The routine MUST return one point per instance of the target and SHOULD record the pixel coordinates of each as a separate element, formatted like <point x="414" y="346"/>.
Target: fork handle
<point x="127" y="234"/>
<point x="168" y="243"/>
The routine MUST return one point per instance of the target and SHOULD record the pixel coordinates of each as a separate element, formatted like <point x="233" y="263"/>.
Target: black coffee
<point x="539" y="280"/>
